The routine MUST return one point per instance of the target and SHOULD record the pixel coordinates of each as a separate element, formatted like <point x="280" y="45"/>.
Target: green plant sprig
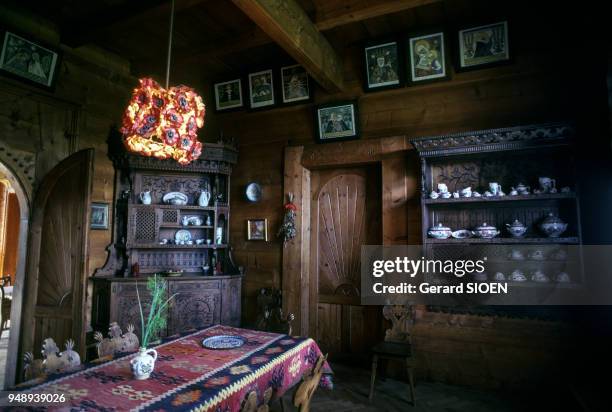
<point x="156" y="320"/>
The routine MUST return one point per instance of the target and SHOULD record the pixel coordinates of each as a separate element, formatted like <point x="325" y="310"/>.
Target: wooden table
<point x="188" y="376"/>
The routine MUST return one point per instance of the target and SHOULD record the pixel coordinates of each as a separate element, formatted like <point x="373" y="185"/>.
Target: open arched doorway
<point x="18" y="191"/>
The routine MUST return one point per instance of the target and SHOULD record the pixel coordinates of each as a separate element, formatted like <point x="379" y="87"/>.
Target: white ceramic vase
<point x="143" y="363"/>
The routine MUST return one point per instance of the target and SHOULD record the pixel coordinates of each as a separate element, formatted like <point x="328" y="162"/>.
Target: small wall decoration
<point x="99" y="216"/>
<point x="427" y="57"/>
<point x="483" y="45"/>
<point x="253" y="192"/>
<point x="28" y="61"/>
<point x="295" y="84"/>
<point x="228" y="95"/>
<point x="261" y="89"/>
<point x="337" y="121"/>
<point x="287" y="230"/>
<point x="382" y="66"/>
<point x="257" y="229"/>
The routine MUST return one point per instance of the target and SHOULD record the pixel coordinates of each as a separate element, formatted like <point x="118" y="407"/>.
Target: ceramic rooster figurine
<point x="33" y="368"/>
<point x="52" y="362"/>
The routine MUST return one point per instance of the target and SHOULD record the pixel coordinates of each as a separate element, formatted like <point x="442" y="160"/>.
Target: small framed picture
<point x="29" y="61"/>
<point x="337" y="121"/>
<point x="483" y="46"/>
<point x="295" y="84"/>
<point x="382" y="66"/>
<point x="228" y="95"/>
<point x="427" y="58"/>
<point x="99" y="216"/>
<point x="257" y="229"/>
<point x="261" y="89"/>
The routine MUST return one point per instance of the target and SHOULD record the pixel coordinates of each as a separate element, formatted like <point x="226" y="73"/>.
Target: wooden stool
<point x="393" y="351"/>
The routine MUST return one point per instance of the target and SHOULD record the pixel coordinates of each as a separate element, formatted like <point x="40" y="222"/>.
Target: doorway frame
<point x="24" y="198"/>
<point x="399" y="187"/>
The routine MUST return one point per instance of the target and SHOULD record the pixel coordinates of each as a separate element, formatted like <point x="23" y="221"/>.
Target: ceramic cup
<point x="208" y="241"/>
<point x="494" y="188"/>
<point x="442" y="188"/>
<point x="499" y="276"/>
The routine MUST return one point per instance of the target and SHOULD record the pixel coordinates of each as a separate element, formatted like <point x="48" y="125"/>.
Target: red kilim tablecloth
<point x="190" y="377"/>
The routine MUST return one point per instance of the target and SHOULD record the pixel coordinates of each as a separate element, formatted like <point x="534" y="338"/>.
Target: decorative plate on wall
<point x="253" y="192"/>
<point x="224" y="342"/>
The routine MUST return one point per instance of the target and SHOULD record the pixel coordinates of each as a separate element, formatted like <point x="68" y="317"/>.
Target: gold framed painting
<point x="257" y="229"/>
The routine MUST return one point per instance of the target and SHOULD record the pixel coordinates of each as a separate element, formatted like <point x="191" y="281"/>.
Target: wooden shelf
<point x="507" y="240"/>
<point x="494" y="199"/>
<point x="177" y="246"/>
<point x="181" y="207"/>
<point x="175" y="226"/>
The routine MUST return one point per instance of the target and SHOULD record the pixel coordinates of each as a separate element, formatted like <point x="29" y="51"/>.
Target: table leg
<point x="411" y="380"/>
<point x="373" y="378"/>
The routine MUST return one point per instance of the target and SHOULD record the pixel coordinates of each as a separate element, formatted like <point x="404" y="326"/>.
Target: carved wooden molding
<point x="22" y="164"/>
<point x="310" y="382"/>
<point x="509" y="138"/>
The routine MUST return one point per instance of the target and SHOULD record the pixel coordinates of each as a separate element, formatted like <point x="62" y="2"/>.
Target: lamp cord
<point x="170" y="44"/>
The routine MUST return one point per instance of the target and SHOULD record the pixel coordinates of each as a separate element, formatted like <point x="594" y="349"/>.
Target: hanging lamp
<point x="163" y="122"/>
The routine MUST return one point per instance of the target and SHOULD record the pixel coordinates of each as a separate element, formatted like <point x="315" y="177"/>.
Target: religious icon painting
<point x="382" y="66"/>
<point x="427" y="58"/>
<point x="228" y="95"/>
<point x="296" y="87"/>
<point x="337" y="121"/>
<point x="483" y="46"/>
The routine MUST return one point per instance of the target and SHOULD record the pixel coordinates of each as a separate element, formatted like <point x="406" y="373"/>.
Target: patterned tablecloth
<point x="190" y="377"/>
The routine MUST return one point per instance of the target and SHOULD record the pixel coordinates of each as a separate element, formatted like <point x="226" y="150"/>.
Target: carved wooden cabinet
<point x="148" y="238"/>
<point x="199" y="302"/>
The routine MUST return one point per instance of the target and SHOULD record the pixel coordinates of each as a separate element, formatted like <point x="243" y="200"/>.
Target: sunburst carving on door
<point x="341" y="231"/>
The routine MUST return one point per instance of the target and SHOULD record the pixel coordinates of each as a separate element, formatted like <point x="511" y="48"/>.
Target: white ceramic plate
<point x="175" y="198"/>
<point x="223" y="342"/>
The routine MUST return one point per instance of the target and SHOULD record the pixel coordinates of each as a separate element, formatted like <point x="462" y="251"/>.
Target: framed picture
<point x="295" y="84"/>
<point x="99" y="216"/>
<point x="228" y="95"/>
<point x="483" y="46"/>
<point x="29" y="61"/>
<point x="427" y="57"/>
<point x="382" y="66"/>
<point x="257" y="229"/>
<point x="336" y="122"/>
<point x="261" y="89"/>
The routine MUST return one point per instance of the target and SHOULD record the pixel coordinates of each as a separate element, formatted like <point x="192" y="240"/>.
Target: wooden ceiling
<point x="217" y="36"/>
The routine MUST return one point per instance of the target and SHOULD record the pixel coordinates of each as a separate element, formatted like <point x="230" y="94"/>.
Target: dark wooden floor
<point x="352" y="387"/>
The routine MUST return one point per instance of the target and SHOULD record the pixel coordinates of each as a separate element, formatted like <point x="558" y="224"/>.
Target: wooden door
<point x="346" y="214"/>
<point x="56" y="271"/>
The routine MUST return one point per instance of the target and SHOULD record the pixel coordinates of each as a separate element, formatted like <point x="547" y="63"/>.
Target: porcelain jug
<point x="143" y="363"/>
<point x="145" y="197"/>
<point x="204" y="198"/>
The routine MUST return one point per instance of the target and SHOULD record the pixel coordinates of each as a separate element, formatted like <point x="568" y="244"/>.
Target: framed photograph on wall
<point x="99" y="216"/>
<point x="427" y="58"/>
<point x="296" y="87"/>
<point x="28" y="61"/>
<point x="261" y="89"/>
<point x="382" y="66"/>
<point x="228" y="95"/>
<point x="483" y="46"/>
<point x="337" y="121"/>
<point x="257" y="229"/>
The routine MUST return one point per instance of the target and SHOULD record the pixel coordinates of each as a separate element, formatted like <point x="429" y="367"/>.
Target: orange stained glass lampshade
<point x="164" y="123"/>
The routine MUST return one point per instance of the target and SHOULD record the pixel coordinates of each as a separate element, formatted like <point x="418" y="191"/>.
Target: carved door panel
<point x="345" y="215"/>
<point x="196" y="305"/>
<point x="56" y="273"/>
<point x="231" y="295"/>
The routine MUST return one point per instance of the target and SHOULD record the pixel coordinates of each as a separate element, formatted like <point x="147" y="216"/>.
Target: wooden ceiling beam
<point x="289" y="26"/>
<point x="358" y="10"/>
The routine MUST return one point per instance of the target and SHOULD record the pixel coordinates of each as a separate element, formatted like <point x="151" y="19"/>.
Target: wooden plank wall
<point x="536" y="87"/>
